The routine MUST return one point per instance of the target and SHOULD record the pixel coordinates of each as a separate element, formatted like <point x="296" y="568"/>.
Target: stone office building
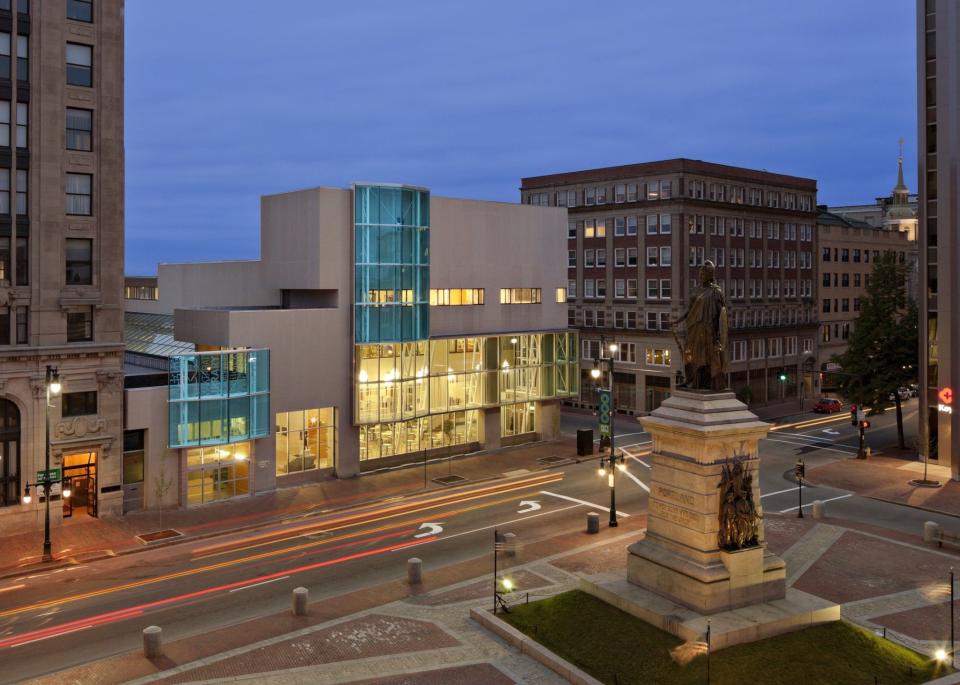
<point x="636" y="238"/>
<point x="61" y="254"/>
<point x="381" y="325"/>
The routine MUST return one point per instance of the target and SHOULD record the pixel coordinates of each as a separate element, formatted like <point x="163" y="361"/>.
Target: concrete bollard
<point x="510" y="544"/>
<point x="930" y="530"/>
<point x="593" y="522"/>
<point x="153" y="642"/>
<point x="819" y="511"/>
<point x="414" y="571"/>
<point x="300" y="597"/>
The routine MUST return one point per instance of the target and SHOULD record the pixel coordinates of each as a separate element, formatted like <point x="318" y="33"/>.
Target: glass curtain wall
<point x="218" y="398"/>
<point x="426" y="433"/>
<point x="392" y="264"/>
<point x="397" y="382"/>
<point x="216" y="473"/>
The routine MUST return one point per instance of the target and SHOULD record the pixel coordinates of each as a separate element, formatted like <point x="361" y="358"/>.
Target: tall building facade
<point x="637" y="236"/>
<point x="381" y="325"/>
<point x="938" y="116"/>
<point x="61" y="253"/>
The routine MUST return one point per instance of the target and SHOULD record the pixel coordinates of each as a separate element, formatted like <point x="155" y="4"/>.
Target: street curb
<point x="110" y="554"/>
<point x="533" y="649"/>
<point x="913" y="506"/>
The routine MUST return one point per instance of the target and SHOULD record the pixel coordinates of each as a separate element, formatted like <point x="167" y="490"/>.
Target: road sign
<point x="605" y="408"/>
<point x="54" y="475"/>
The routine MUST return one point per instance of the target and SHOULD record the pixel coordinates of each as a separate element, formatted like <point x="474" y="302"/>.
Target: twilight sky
<point x="227" y="100"/>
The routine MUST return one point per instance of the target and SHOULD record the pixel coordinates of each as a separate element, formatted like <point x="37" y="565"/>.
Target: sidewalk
<point x="888" y="479"/>
<point x="84" y="538"/>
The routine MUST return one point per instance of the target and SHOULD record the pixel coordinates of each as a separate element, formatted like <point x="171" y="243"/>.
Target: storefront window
<point x="517" y="419"/>
<point x="306" y="440"/>
<point x="427" y="433"/>
<point x="217" y="473"/>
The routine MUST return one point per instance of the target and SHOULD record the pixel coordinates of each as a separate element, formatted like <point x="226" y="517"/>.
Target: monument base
<point x="795" y="611"/>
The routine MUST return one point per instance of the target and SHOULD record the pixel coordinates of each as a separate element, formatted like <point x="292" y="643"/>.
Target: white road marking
<point x="830" y="431"/>
<point x="47" y="637"/>
<point x="583" y="502"/>
<point x="530" y="505"/>
<point x="625" y="435"/>
<point x="851" y="450"/>
<point x="431" y="529"/>
<point x="810" y="504"/>
<point x="635" y="480"/>
<point x="778" y="492"/>
<point x="247" y="587"/>
<point x="494" y="525"/>
<point x="639" y="460"/>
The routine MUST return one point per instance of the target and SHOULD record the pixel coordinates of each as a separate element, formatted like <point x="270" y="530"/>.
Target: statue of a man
<point x="704" y="347"/>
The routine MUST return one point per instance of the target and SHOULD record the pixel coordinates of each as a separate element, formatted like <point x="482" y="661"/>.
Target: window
<point x="631" y="192"/>
<point x="618" y="319"/>
<point x="631" y="225"/>
<point x="618" y="226"/>
<point x="80" y="10"/>
<point x="757" y="351"/>
<point x="571" y="289"/>
<point x="589" y="258"/>
<point x="80" y="134"/>
<point x="571" y="318"/>
<point x="21" y="192"/>
<point x="4" y="191"/>
<point x="306" y="440"/>
<point x="588" y="287"/>
<point x="845" y="255"/>
<point x="78" y="403"/>
<point x="22" y="259"/>
<point x="589" y="228"/>
<point x="652" y="290"/>
<point x="657" y="357"/>
<point x="664" y="288"/>
<point x="651" y="224"/>
<point x="845" y="280"/>
<point x="79" y="261"/>
<point x="79" y="193"/>
<point x="665" y="223"/>
<point x="632" y="288"/>
<point x="80" y="325"/>
<point x="560" y="295"/>
<point x="651" y="321"/>
<point x="4" y="55"/>
<point x="666" y="190"/>
<point x="141" y="292"/>
<point x="589" y="318"/>
<point x="619" y="288"/>
<point x="738" y="351"/>
<point x="79" y="65"/>
<point x="5" y="266"/>
<point x="826" y="306"/>
<point x="619" y="256"/>
<point x="631" y="256"/>
<point x="571" y="225"/>
<point x="601" y="258"/>
<point x="571" y="259"/>
<point x="652" y="256"/>
<point x="601" y="195"/>
<point x="825" y="254"/>
<point x="666" y="258"/>
<point x="23" y="51"/>
<point x="444" y="297"/>
<point x="619" y="193"/>
<point x="520" y="296"/>
<point x="22" y="119"/>
<point x="627" y="353"/>
<point x="601" y="288"/>
<point x="590" y="196"/>
<point x="21" y="323"/>
<point x="773" y="347"/>
<point x="590" y="349"/>
<point x="4" y="123"/>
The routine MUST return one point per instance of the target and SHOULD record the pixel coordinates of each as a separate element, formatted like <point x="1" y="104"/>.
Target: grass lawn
<point x="608" y="643"/>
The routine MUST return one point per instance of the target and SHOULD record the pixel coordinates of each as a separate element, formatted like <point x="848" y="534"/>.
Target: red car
<point x="828" y="405"/>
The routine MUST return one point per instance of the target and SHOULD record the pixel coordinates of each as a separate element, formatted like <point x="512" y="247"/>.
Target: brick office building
<point x="637" y="236"/>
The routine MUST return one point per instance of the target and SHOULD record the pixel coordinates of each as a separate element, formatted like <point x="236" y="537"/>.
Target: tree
<point x="161" y="485"/>
<point x="882" y="353"/>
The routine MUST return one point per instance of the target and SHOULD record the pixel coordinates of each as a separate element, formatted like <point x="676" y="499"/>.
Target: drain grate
<point x="449" y="480"/>
<point x="551" y="460"/>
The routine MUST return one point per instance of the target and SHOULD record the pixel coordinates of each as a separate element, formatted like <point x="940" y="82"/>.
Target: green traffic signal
<point x="783" y="377"/>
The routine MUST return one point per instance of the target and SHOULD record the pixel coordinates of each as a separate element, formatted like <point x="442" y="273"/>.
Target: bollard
<point x="300" y="597"/>
<point x="414" y="571"/>
<point x="818" y="509"/>
<point x="593" y="522"/>
<point x="930" y="531"/>
<point x="510" y="544"/>
<point x="153" y="642"/>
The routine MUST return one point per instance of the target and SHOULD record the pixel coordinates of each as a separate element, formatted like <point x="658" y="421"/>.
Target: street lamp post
<point x="799" y="470"/>
<point x="53" y="387"/>
<point x="612" y="461"/>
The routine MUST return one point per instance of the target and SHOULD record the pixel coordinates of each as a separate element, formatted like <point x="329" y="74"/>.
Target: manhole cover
<point x="551" y="460"/>
<point x="449" y="480"/>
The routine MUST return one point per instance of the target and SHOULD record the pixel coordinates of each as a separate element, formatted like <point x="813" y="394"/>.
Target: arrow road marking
<point x="830" y="431"/>
<point x="431" y="529"/>
<point x="528" y="506"/>
<point x="584" y="503"/>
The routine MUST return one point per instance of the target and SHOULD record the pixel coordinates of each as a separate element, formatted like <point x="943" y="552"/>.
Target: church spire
<point x="900" y="191"/>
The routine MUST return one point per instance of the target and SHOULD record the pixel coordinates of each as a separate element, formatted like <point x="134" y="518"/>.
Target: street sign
<point x="604" y="410"/>
<point x="54" y="475"/>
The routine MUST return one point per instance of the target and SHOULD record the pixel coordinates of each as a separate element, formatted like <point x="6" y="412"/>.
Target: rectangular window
<point x="619" y="256"/>
<point x="560" y="295"/>
<point x="79" y="189"/>
<point x="601" y="287"/>
<point x="666" y="256"/>
<point x="657" y="357"/>
<point x="631" y="256"/>
<point x="601" y="195"/>
<point x="306" y="440"/>
<point x="619" y="288"/>
<point x="571" y="259"/>
<point x="22" y="258"/>
<point x="601" y="258"/>
<point x="631" y="192"/>
<point x="653" y="190"/>
<point x="571" y="289"/>
<point x="23" y="52"/>
<point x="571" y="230"/>
<point x="651" y="321"/>
<point x="79" y="262"/>
<point x="652" y="256"/>
<point x="22" y="317"/>
<point x="22" y="192"/>
<point x="4" y="123"/>
<point x="619" y="193"/>
<point x="452" y="297"/>
<point x="652" y="290"/>
<point x="80" y="325"/>
<point x="664" y="288"/>
<point x="23" y="115"/>
<point x="651" y="224"/>
<point x="78" y="403"/>
<point x="80" y="10"/>
<point x="588" y="258"/>
<point x="80" y="131"/>
<point x="79" y="65"/>
<point x="588" y="288"/>
<point x="666" y="223"/>
<point x="618" y="226"/>
<point x="5" y="265"/>
<point x="4" y="55"/>
<point x="589" y="228"/>
<point x="631" y="225"/>
<point x="520" y="296"/>
<point x="4" y="191"/>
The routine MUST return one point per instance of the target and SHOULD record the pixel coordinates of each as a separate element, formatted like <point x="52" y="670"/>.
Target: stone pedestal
<point x="694" y="433"/>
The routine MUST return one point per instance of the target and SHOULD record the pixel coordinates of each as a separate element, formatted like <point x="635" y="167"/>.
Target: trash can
<point x="584" y="442"/>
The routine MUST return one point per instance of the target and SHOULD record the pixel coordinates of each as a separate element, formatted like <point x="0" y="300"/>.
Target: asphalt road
<point x="52" y="620"/>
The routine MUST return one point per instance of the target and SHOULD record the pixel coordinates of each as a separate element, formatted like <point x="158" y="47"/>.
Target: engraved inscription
<point x="673" y="513"/>
<point x="684" y="498"/>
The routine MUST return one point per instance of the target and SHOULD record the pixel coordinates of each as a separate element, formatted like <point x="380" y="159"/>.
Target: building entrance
<point x="80" y="475"/>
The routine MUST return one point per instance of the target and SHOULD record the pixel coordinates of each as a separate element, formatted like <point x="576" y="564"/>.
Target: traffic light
<point x="853" y="415"/>
<point x="866" y="424"/>
<point x="783" y="376"/>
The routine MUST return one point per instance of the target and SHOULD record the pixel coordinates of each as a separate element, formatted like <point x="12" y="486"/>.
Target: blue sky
<point x="227" y="100"/>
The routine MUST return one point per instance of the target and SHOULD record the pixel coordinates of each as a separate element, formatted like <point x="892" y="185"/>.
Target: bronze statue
<point x="704" y="348"/>
<point x="738" y="514"/>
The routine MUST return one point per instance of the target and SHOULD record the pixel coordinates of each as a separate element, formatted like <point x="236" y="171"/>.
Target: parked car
<point x="828" y="405"/>
<point x="904" y="393"/>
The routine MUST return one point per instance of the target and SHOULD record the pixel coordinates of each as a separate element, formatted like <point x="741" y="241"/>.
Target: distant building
<point x="61" y="257"/>
<point x="938" y="115"/>
<point x="636" y="238"/>
<point x="381" y="325"/>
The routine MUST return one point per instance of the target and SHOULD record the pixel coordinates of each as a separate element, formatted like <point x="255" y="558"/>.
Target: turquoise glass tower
<point x="391" y="263"/>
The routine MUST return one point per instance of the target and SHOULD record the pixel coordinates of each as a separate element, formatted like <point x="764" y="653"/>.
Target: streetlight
<point x="53" y="388"/>
<point x="613" y="461"/>
<point x="799" y="470"/>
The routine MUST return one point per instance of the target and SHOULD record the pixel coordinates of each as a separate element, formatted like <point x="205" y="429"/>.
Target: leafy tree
<point x="882" y="354"/>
